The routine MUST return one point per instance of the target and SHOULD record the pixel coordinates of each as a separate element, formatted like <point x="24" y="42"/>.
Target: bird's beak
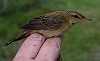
<point x="87" y="19"/>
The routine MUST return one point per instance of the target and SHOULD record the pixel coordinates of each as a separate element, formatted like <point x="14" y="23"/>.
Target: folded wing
<point x="43" y="23"/>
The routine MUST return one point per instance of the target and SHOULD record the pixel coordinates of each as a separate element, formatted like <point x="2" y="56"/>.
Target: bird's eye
<point x="75" y="16"/>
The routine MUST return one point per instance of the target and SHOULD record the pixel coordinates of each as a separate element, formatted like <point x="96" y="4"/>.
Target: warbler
<point x="50" y="25"/>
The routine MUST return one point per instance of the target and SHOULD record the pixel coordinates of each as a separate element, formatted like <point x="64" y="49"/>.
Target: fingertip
<point x="36" y="37"/>
<point x="30" y="46"/>
<point x="50" y="49"/>
<point x="53" y="42"/>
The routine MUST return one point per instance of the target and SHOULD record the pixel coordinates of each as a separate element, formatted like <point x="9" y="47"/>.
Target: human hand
<point x="35" y="48"/>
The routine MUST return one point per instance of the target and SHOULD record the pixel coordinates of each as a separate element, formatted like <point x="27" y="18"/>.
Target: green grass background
<point x="81" y="43"/>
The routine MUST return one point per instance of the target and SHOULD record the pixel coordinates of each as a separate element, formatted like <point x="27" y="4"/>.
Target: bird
<point x="50" y="25"/>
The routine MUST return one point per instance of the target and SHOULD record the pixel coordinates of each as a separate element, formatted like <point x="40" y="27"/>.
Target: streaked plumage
<point x="50" y="25"/>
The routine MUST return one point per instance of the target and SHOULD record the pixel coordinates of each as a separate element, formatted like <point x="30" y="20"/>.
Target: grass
<point x="81" y="43"/>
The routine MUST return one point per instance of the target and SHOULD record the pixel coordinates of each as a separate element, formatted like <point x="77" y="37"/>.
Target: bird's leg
<point x="59" y="58"/>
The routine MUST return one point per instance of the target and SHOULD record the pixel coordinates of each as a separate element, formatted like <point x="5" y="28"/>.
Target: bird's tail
<point x="19" y="37"/>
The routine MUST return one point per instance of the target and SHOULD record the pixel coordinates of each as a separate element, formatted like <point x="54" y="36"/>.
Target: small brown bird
<point x="50" y="25"/>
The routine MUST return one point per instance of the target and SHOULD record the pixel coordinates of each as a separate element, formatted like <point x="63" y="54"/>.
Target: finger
<point x="30" y="47"/>
<point x="50" y="50"/>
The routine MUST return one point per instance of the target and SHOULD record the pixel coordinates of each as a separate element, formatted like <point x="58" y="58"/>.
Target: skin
<point x="35" y="48"/>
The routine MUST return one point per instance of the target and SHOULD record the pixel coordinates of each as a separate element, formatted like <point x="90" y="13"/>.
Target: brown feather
<point x="43" y="23"/>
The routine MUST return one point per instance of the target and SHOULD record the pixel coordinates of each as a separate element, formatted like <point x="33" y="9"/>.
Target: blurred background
<point x="81" y="43"/>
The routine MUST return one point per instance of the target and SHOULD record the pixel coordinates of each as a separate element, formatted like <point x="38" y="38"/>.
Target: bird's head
<point x="75" y="17"/>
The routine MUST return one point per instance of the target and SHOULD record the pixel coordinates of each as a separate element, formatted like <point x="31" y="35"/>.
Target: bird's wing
<point x="44" y="22"/>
